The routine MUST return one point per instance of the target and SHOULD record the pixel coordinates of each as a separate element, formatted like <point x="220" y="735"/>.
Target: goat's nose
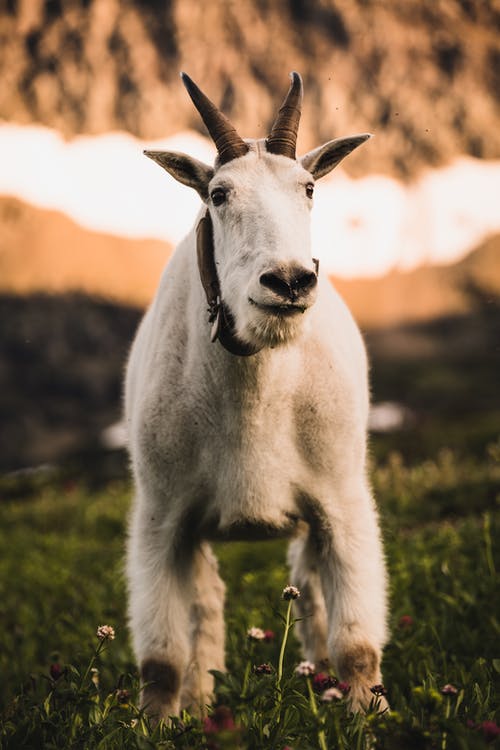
<point x="289" y="283"/>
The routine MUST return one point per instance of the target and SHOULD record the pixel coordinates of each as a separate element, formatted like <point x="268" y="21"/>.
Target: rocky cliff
<point x="424" y="75"/>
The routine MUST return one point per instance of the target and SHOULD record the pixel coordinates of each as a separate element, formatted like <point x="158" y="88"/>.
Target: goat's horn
<point x="227" y="141"/>
<point x="283" y="137"/>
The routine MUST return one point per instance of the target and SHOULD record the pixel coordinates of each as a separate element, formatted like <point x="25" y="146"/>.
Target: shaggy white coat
<point x="244" y="447"/>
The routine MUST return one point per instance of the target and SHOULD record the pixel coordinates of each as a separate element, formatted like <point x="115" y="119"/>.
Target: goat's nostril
<point x="305" y="281"/>
<point x="290" y="284"/>
<point x="276" y="283"/>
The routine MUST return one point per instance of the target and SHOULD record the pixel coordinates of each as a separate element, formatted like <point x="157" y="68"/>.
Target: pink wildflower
<point x="332" y="694"/>
<point x="323" y="681"/>
<point x="221" y="719"/>
<point x="449" y="690"/>
<point x="490" y="730"/>
<point x="290" y="592"/>
<point x="262" y="669"/>
<point x="405" y="621"/>
<point x="344" y="687"/>
<point x="256" y="634"/>
<point x="269" y="635"/>
<point x="55" y="671"/>
<point x="305" y="669"/>
<point x="105" y="633"/>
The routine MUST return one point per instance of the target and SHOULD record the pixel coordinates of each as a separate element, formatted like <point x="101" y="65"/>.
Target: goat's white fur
<point x="218" y="440"/>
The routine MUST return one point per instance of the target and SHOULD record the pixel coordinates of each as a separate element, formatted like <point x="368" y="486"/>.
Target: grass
<point x="61" y="575"/>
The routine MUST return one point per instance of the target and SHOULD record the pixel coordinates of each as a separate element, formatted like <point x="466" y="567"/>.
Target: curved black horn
<point x="283" y="137"/>
<point x="227" y="141"/>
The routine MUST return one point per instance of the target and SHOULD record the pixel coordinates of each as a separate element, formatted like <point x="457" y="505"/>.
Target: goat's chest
<point x="266" y="440"/>
<point x="244" y="444"/>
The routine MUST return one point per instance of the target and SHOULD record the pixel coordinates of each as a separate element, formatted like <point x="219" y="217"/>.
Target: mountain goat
<point x="254" y="428"/>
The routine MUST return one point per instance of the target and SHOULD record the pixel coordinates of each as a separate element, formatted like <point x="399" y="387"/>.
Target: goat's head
<point x="259" y="197"/>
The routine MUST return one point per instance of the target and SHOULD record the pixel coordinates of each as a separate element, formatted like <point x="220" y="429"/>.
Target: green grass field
<point x="61" y="576"/>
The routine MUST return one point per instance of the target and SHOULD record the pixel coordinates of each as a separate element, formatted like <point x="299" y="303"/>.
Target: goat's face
<point x="259" y="197"/>
<point x="260" y="208"/>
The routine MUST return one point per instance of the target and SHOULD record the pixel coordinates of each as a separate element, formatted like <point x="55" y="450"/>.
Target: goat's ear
<point x="185" y="169"/>
<point x="324" y="158"/>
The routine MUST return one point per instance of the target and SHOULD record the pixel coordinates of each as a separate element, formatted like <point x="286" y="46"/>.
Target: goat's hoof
<point x="160" y="692"/>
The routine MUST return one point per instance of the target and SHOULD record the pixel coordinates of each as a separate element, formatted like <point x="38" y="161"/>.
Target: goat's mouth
<point x="285" y="310"/>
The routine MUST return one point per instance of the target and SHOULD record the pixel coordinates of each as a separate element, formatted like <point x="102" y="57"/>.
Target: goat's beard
<point x="271" y="330"/>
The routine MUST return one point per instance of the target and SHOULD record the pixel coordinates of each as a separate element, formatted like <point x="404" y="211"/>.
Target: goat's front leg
<point x="352" y="571"/>
<point x="160" y="596"/>
<point x="207" y="622"/>
<point x="310" y="606"/>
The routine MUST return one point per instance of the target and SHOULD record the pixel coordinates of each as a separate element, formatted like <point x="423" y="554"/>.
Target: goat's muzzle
<point x="289" y="285"/>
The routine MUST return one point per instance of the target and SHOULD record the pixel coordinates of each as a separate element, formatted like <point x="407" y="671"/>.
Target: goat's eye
<point x="218" y="196"/>
<point x="309" y="189"/>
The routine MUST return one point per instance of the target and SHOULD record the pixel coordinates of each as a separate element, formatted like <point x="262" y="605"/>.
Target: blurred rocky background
<point x="424" y="75"/>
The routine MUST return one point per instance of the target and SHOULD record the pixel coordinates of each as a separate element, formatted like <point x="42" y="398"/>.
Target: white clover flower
<point x="305" y="669"/>
<point x="332" y="694"/>
<point x="105" y="633"/>
<point x="291" y="592"/>
<point x="256" y="634"/>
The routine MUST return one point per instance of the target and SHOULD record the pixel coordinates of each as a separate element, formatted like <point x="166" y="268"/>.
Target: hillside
<point x="128" y="271"/>
<point x="61" y="370"/>
<point x="424" y="76"/>
<point x="425" y="293"/>
<point x="46" y="251"/>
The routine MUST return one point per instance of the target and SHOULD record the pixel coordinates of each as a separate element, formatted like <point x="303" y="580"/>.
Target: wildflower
<point x="105" y="633"/>
<point x="122" y="697"/>
<point x="344" y="687"/>
<point x="255" y="634"/>
<point x="262" y="669"/>
<point x="55" y="670"/>
<point x="268" y="635"/>
<point x="449" y="690"/>
<point x="305" y="669"/>
<point x="378" y="690"/>
<point x="290" y="592"/>
<point x="323" y="681"/>
<point x="490" y="730"/>
<point x="405" y="621"/>
<point x="221" y="719"/>
<point x="332" y="694"/>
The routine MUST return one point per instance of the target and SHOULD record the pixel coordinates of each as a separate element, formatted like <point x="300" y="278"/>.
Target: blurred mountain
<point x="422" y="74"/>
<point x="128" y="270"/>
<point x="46" y="251"/>
<point x="427" y="292"/>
